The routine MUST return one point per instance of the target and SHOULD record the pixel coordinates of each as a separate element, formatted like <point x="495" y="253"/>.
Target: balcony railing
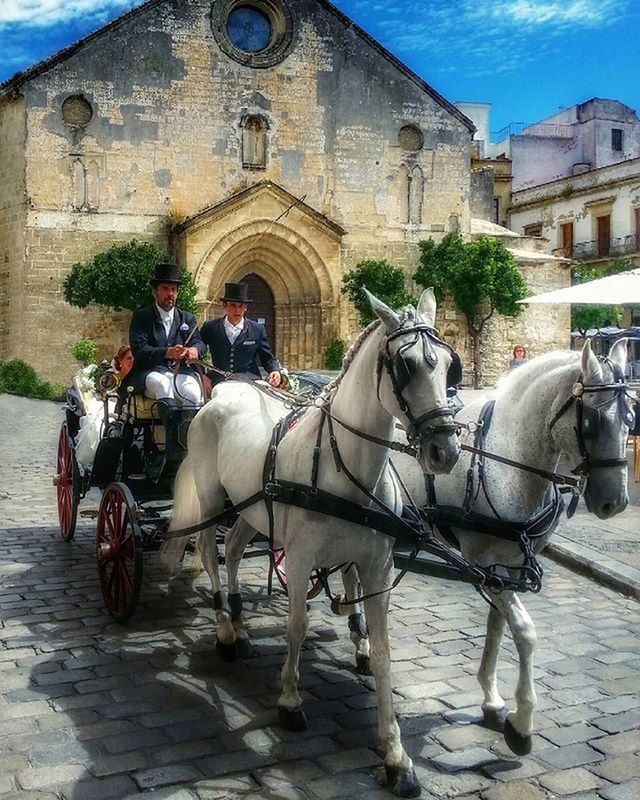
<point x="605" y="248"/>
<point x="546" y="129"/>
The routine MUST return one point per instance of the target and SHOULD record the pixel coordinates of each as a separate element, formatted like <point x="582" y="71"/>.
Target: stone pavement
<point x="91" y="709"/>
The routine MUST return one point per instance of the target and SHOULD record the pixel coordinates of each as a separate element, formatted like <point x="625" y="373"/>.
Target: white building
<point x="579" y="139"/>
<point x="593" y="216"/>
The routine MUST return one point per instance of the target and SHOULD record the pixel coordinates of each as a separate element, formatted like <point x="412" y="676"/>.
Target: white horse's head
<point x="595" y="433"/>
<point x="412" y="380"/>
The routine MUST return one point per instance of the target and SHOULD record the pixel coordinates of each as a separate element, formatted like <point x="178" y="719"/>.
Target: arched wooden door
<point x="261" y="309"/>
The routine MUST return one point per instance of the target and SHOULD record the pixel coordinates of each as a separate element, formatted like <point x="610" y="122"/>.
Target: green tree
<point x="481" y="277"/>
<point x="383" y="280"/>
<point x="584" y="316"/>
<point x="119" y="278"/>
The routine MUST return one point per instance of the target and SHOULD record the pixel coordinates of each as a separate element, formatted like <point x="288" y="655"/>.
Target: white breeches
<point x="160" y="385"/>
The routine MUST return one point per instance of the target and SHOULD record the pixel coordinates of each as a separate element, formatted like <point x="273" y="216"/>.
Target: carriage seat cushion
<point x="141" y="407"/>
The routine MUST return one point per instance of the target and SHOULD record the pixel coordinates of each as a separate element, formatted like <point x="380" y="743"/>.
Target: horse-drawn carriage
<point x="141" y="445"/>
<point x="321" y="480"/>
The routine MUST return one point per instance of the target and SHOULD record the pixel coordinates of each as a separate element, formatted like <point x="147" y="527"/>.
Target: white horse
<point x="396" y="369"/>
<point x="537" y="417"/>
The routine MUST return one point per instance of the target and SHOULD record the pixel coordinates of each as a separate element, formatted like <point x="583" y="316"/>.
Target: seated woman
<point x="92" y="422"/>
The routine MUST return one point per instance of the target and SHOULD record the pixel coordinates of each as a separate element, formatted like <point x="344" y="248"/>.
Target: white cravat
<point x="167" y="318"/>
<point x="233" y="331"/>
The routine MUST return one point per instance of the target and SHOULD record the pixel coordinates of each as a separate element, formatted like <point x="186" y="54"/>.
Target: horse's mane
<point x="521" y="378"/>
<point x="408" y="313"/>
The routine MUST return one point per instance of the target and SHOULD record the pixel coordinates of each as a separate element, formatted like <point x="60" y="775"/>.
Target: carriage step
<point x="89" y="513"/>
<point x="137" y="476"/>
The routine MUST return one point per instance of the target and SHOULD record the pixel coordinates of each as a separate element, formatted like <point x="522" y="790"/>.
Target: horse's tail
<point x="186" y="512"/>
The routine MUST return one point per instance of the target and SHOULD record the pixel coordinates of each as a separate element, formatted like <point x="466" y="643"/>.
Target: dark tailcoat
<point x="247" y="354"/>
<point x="149" y="343"/>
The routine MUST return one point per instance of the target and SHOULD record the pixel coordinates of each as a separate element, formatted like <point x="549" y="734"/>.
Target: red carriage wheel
<point x="315" y="587"/>
<point x="67" y="482"/>
<point x="119" y="551"/>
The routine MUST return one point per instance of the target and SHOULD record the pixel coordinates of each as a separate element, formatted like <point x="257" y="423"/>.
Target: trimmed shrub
<point x="333" y="354"/>
<point x="119" y="279"/>
<point x="85" y="351"/>
<point x="19" y="378"/>
<point x="383" y="280"/>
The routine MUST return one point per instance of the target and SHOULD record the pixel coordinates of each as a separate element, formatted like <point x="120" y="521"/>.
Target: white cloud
<point x="486" y="36"/>
<point x="37" y="13"/>
<point x="552" y="12"/>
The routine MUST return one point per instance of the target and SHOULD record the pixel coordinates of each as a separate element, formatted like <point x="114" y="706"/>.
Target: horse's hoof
<point x="494" y="718"/>
<point x="244" y="648"/>
<point x="293" y="719"/>
<point x="226" y="652"/>
<point x="363" y="665"/>
<point x="516" y="742"/>
<point x="402" y="782"/>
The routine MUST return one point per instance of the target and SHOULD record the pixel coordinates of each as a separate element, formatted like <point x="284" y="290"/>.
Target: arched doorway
<point x="261" y="308"/>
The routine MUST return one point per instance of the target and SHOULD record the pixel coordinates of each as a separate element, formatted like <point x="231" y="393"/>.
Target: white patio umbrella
<point x="615" y="290"/>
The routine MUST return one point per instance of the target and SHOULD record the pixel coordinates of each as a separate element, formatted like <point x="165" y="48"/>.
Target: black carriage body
<point x="142" y="447"/>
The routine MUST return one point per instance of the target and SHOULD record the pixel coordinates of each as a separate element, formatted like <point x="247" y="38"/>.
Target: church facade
<point x="259" y="140"/>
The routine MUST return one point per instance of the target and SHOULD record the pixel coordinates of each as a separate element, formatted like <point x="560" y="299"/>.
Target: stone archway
<point x="299" y="293"/>
<point x="290" y="246"/>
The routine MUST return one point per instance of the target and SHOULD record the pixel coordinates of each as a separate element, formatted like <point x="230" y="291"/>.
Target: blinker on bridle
<point x="588" y="420"/>
<point x="401" y="369"/>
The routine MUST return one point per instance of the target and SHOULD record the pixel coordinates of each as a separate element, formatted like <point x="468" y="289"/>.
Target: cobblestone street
<point x="90" y="709"/>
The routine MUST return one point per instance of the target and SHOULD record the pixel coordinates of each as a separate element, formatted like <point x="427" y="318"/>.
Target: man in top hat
<point x="161" y="337"/>
<point x="238" y="344"/>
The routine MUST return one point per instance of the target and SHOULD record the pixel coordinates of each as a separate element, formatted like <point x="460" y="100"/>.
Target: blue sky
<point x="528" y="58"/>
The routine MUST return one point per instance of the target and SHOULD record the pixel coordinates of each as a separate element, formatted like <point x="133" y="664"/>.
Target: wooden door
<point x="261" y="309"/>
<point x="604" y="235"/>
<point x="567" y="239"/>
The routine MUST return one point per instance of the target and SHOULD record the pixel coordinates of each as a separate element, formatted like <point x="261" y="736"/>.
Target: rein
<point x="553" y="477"/>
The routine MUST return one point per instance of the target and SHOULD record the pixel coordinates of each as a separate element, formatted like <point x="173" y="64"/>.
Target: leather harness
<point x="418" y="527"/>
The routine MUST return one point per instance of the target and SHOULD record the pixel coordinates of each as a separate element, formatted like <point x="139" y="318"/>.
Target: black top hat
<point x="165" y="273"/>
<point x="235" y="293"/>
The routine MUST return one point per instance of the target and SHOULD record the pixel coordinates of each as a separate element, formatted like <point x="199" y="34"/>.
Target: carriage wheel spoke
<point x="125" y="577"/>
<point x="110" y="520"/>
<point x="119" y="551"/>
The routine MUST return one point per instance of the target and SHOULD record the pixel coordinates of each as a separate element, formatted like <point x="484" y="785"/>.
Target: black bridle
<point x="588" y="419"/>
<point x="401" y="369"/>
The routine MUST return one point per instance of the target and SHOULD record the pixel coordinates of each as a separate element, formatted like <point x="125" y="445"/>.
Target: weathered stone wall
<point x="539" y="328"/>
<point x="12" y="224"/>
<point x="482" y="193"/>
<point x="165" y="141"/>
<point x="50" y="325"/>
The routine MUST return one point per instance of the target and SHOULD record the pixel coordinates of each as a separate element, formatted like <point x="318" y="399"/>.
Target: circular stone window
<point x="249" y="29"/>
<point x="410" y="138"/>
<point x="76" y="111"/>
<point x="256" y="33"/>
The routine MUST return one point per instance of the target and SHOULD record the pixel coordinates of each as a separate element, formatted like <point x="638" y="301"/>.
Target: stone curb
<point x="607" y="571"/>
